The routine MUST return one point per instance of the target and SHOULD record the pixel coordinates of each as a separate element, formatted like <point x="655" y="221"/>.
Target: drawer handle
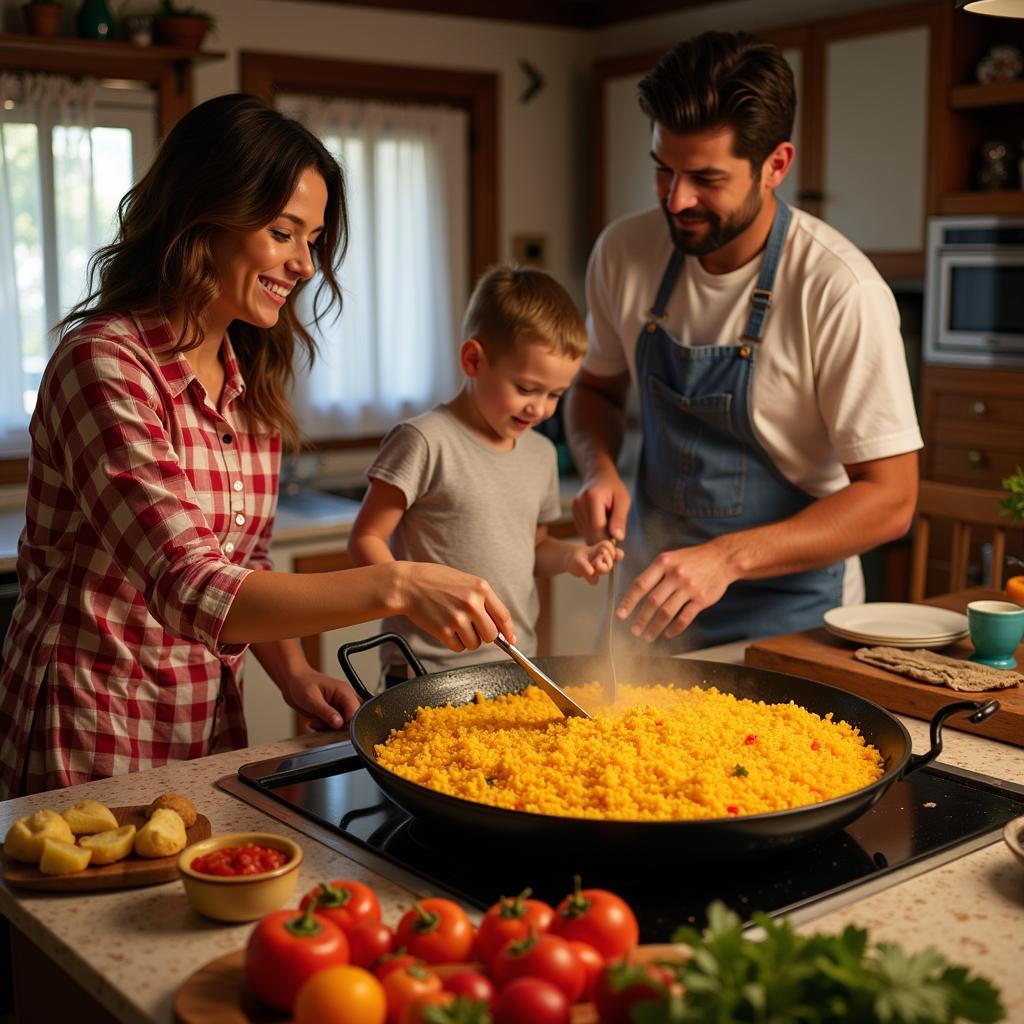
<point x="979" y="409"/>
<point x="976" y="458"/>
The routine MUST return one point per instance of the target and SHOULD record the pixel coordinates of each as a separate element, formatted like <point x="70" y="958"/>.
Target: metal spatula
<point x="611" y="686"/>
<point x="562" y="700"/>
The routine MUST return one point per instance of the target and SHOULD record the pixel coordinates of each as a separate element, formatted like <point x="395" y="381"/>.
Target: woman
<point x="155" y="448"/>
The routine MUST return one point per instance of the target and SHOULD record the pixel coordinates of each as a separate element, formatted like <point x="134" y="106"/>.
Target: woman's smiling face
<point x="259" y="269"/>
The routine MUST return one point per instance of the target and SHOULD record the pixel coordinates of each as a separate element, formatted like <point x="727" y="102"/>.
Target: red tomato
<point x="414" y="1012"/>
<point x="622" y="986"/>
<point x="592" y="963"/>
<point x="395" y="961"/>
<point x="599" y="918"/>
<point x="472" y="984"/>
<point x="512" y="917"/>
<point x="540" y="956"/>
<point x="368" y="941"/>
<point x="437" y="930"/>
<point x="285" y="949"/>
<point x="343" y="902"/>
<point x="401" y="987"/>
<point x="533" y="1000"/>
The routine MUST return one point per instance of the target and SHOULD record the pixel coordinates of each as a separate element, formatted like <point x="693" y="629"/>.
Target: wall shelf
<point x="993" y="94"/>
<point x="72" y="50"/>
<point x="1007" y="201"/>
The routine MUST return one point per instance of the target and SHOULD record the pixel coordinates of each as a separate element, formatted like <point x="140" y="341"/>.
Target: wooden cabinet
<point x="966" y="114"/>
<point x="973" y="425"/>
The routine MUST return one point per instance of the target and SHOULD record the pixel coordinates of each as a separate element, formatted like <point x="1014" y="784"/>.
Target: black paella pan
<point x="703" y="839"/>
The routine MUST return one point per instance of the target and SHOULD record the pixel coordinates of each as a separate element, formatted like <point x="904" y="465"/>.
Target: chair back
<point x="972" y="511"/>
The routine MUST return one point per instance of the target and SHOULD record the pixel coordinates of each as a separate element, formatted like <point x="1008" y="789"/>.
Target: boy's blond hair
<point x="510" y="301"/>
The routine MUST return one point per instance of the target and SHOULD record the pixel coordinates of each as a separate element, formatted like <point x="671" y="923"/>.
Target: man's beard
<point x="720" y="232"/>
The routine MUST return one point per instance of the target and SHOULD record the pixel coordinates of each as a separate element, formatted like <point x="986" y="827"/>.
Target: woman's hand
<point x="590" y="562"/>
<point x="461" y="610"/>
<point x="325" y="702"/>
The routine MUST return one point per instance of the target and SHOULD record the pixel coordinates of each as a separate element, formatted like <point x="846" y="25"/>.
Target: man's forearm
<point x="858" y="518"/>
<point x="595" y="426"/>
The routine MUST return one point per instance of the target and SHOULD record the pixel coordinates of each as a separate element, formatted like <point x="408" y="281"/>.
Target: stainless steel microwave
<point x="974" y="293"/>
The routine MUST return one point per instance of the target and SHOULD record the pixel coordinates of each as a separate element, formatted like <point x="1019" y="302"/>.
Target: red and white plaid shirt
<point x="146" y="510"/>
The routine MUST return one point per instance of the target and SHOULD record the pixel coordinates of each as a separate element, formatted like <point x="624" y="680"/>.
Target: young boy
<point x="469" y="484"/>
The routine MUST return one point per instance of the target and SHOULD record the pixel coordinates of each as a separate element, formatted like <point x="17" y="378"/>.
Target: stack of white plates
<point x="891" y="624"/>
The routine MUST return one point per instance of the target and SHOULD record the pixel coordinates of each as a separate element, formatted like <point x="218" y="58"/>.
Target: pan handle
<point x="981" y="711"/>
<point x="364" y="645"/>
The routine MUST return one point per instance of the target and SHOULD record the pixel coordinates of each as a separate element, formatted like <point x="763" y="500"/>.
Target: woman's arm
<point x="381" y="511"/>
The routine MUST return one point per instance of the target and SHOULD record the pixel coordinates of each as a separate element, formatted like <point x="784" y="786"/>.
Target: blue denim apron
<point x="703" y="472"/>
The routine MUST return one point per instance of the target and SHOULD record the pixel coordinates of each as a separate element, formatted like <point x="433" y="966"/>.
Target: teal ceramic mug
<point x="996" y="630"/>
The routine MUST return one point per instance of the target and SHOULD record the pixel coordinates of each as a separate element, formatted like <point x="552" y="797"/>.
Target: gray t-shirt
<point x="473" y="508"/>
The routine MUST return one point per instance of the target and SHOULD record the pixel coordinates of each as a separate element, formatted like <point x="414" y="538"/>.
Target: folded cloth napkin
<point x="929" y="667"/>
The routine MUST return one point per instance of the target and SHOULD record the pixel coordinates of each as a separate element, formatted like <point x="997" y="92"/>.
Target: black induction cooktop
<point x="937" y="813"/>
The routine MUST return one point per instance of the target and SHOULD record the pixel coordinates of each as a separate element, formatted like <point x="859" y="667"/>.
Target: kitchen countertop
<point x="131" y="949"/>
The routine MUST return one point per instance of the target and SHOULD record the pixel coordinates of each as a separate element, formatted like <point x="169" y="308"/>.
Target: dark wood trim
<point x="14" y="471"/>
<point x="899" y="266"/>
<point x="268" y="74"/>
<point x="166" y="69"/>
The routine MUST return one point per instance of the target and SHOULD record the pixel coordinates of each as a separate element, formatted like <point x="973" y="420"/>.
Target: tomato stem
<point x="426" y="920"/>
<point x="306" y="925"/>
<point x="577" y="904"/>
<point x="514" y="907"/>
<point x="331" y="897"/>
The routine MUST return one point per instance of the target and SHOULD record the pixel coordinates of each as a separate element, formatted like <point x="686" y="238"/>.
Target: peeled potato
<point x="162" y="835"/>
<point x="175" y="802"/>
<point x="108" y="847"/>
<point x="25" y="838"/>
<point x="89" y="816"/>
<point x="61" y="858"/>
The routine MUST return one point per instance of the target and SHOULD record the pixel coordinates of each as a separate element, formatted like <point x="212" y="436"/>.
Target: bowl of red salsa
<point x="240" y="876"/>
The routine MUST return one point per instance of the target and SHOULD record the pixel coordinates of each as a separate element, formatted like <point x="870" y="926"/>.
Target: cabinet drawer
<point x="975" y="466"/>
<point x="979" y="408"/>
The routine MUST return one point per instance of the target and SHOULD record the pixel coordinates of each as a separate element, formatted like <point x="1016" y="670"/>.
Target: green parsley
<point x="815" y="979"/>
<point x="739" y="771"/>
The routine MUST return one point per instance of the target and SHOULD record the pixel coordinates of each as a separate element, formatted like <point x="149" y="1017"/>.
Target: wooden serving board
<point x="215" y="994"/>
<point x="122" y="874"/>
<point x="817" y="654"/>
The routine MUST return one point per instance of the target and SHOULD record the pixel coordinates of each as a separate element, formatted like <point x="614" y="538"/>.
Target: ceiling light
<point x="1000" y="8"/>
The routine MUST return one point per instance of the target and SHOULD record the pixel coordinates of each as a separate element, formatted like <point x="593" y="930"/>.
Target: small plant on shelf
<point x="182" y="25"/>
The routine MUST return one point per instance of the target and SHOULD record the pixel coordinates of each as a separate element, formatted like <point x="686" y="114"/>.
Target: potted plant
<point x="1012" y="506"/>
<point x="42" y="17"/>
<point x="186" y="27"/>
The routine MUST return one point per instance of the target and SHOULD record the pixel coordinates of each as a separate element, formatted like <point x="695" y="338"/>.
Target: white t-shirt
<point x="830" y="384"/>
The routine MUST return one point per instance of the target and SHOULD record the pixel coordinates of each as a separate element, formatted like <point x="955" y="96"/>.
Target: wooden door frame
<point x="270" y="74"/>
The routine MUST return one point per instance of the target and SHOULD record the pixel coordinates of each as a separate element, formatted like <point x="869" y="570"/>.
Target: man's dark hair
<point x="724" y="79"/>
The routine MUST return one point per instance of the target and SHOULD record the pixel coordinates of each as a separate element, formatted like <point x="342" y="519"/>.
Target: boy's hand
<point x="593" y="561"/>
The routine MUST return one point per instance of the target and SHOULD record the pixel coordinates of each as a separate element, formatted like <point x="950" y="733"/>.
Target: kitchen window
<point x="69" y="150"/>
<point x="392" y="353"/>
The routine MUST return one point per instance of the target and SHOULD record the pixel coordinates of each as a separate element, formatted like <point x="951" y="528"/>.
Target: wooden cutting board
<point x="122" y="874"/>
<point x="215" y="994"/>
<point x="817" y="654"/>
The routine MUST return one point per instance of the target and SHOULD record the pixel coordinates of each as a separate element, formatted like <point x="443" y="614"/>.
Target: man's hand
<point x="601" y="507"/>
<point x="592" y="561"/>
<point x="326" y="703"/>
<point x="670" y="593"/>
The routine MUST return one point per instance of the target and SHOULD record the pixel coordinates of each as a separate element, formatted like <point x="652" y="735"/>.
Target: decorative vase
<point x="182" y="30"/>
<point x="94" y="20"/>
<point x="42" y="19"/>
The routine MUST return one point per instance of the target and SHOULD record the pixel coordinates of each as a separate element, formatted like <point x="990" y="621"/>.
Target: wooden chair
<point x="966" y="508"/>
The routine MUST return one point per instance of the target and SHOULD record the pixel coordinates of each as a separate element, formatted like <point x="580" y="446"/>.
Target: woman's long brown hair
<point x="230" y="164"/>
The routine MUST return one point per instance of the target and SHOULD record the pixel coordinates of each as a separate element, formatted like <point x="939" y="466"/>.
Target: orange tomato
<point x="415" y="1011"/>
<point x="341" y="995"/>
<point x="403" y="986"/>
<point x="1015" y="589"/>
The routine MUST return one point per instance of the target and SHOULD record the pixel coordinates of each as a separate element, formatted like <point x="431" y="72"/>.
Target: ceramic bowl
<point x="241" y="897"/>
<point x="1013" y="834"/>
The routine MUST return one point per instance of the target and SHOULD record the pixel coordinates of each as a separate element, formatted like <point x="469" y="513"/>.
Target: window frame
<point x="266" y="75"/>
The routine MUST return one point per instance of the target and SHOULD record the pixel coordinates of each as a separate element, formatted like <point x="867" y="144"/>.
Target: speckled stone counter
<point x="132" y="948"/>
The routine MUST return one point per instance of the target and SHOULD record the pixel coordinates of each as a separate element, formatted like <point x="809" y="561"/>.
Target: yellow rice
<point x="680" y="754"/>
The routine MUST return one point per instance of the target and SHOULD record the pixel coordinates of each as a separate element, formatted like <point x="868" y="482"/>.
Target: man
<point x="779" y="433"/>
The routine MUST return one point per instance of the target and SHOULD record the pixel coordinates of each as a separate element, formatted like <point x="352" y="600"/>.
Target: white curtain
<point x="49" y="227"/>
<point x="393" y="351"/>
